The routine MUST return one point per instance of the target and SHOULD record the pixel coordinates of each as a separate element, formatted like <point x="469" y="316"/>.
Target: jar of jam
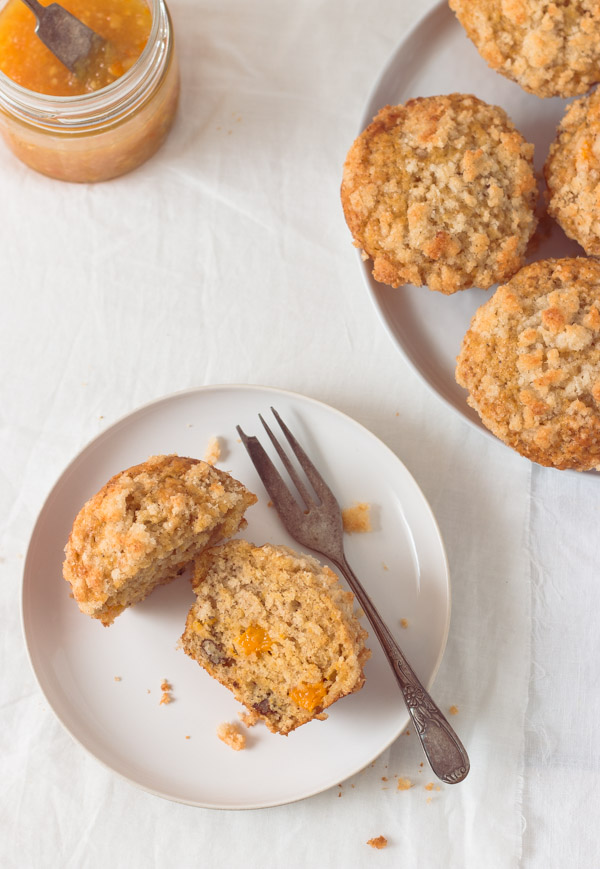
<point x="97" y="127"/>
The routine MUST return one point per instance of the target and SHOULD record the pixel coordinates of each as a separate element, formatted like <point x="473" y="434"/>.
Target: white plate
<point x="121" y="722"/>
<point x="436" y="57"/>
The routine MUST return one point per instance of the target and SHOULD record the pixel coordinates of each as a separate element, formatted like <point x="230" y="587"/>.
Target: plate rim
<point x="165" y="399"/>
<point x="375" y="292"/>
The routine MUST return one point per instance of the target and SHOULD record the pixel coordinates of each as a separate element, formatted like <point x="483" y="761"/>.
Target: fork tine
<point x="295" y="477"/>
<point x="272" y="479"/>
<point x="317" y="482"/>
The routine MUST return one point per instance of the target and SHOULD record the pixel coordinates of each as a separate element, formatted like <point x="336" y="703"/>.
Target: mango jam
<point x="254" y="639"/>
<point x="96" y="127"/>
<point x="124" y="24"/>
<point x="308" y="696"/>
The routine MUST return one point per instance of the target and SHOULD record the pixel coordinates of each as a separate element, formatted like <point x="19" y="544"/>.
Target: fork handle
<point x="444" y="750"/>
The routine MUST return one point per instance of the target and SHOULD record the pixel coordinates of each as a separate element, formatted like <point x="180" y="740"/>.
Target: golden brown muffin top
<point x="573" y="173"/>
<point x="531" y="363"/>
<point x="143" y="515"/>
<point x="550" y="49"/>
<point x="441" y="191"/>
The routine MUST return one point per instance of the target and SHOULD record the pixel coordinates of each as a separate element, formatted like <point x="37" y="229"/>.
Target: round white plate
<point x="436" y="57"/>
<point x="121" y="722"/>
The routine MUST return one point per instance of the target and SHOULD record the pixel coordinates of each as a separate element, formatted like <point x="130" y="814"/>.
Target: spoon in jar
<point x="68" y="38"/>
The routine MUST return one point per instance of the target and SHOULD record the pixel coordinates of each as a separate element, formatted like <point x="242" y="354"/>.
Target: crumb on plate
<point x="357" y="519"/>
<point x="166" y="688"/>
<point x="404" y="784"/>
<point x="213" y="451"/>
<point x="231" y="736"/>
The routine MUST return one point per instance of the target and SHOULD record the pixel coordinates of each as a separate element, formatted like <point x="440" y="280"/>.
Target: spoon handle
<point x="36" y="8"/>
<point x="444" y="750"/>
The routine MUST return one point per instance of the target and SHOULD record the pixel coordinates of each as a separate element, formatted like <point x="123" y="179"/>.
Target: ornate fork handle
<point x="443" y="748"/>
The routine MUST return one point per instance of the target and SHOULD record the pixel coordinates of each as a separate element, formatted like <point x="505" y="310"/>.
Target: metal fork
<point x="319" y="526"/>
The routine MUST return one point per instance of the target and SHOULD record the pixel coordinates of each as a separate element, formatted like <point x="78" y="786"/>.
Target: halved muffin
<point x="277" y="629"/>
<point x="143" y="527"/>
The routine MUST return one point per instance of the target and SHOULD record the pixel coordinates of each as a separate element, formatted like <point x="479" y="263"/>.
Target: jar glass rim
<point x="94" y="99"/>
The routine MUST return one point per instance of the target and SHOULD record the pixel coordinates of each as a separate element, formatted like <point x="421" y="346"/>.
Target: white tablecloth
<point x="226" y="259"/>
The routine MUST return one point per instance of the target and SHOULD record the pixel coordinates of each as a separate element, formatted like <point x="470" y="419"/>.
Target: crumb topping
<point x="572" y="173"/>
<point x="531" y="363"/>
<point x="550" y="49"/>
<point x="441" y="192"/>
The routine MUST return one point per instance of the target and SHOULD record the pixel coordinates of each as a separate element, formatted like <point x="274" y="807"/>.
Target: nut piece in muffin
<point x="572" y="173"/>
<point x="441" y="192"/>
<point x="550" y="49"/>
<point x="531" y="363"/>
<point x="144" y="526"/>
<point x="277" y="629"/>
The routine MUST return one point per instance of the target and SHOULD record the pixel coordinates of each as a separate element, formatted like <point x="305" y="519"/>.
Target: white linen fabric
<point x="225" y="259"/>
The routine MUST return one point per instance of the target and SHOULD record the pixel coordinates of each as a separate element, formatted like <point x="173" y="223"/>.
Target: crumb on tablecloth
<point x="117" y="678"/>
<point x="404" y="784"/>
<point x="378" y="842"/>
<point x="213" y="451"/>
<point x="357" y="519"/>
<point x="231" y="736"/>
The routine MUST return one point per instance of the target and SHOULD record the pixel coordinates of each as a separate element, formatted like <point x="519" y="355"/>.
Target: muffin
<point x="531" y="363"/>
<point x="277" y="629"/>
<point x="144" y="526"/>
<point x="441" y="192"/>
<point x="550" y="49"/>
<point x="572" y="173"/>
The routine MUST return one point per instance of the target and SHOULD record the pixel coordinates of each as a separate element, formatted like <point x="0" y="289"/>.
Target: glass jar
<point x="103" y="134"/>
